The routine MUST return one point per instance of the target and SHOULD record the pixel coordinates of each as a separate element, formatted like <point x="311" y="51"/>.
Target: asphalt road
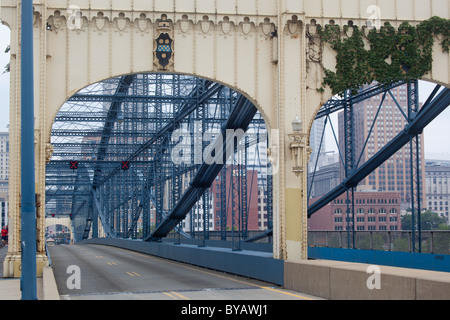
<point x="108" y="273"/>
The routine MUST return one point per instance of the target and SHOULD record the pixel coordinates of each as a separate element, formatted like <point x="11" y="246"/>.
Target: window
<point x="393" y="211"/>
<point x="360" y="211"/>
<point x="382" y="211"/>
<point x="338" y="211"/>
<point x="371" y="211"/>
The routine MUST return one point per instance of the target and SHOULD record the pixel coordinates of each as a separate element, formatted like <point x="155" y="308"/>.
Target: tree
<point x="428" y="221"/>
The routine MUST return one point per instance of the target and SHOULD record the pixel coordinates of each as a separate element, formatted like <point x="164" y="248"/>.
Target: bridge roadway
<point x="109" y="273"/>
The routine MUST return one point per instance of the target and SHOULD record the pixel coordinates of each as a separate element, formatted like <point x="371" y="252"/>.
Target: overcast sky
<point x="436" y="134"/>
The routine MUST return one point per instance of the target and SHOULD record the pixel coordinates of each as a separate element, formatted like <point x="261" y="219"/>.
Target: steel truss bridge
<point x="131" y="152"/>
<point x="352" y="159"/>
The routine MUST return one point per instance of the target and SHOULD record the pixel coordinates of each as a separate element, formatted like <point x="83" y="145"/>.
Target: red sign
<point x="125" y="165"/>
<point x="74" y="165"/>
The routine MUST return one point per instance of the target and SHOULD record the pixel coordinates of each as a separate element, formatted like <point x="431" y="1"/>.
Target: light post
<point x="28" y="188"/>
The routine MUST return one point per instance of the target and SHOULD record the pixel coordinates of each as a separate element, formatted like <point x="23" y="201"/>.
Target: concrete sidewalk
<point x="10" y="287"/>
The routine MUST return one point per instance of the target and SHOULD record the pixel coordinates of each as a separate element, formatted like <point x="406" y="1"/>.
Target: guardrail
<point x="434" y="241"/>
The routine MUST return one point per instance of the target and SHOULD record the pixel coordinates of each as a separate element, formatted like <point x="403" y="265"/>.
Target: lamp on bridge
<point x="297" y="145"/>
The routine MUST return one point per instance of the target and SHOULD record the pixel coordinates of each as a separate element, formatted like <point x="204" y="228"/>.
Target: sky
<point x="436" y="143"/>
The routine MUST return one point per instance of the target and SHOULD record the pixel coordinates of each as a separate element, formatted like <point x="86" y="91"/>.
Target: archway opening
<point x="133" y="153"/>
<point x="367" y="199"/>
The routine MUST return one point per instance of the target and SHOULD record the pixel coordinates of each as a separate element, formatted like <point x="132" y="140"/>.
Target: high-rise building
<point x="395" y="173"/>
<point x="437" y="176"/>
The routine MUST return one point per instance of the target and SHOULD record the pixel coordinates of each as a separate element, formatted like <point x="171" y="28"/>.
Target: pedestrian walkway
<point x="9" y="288"/>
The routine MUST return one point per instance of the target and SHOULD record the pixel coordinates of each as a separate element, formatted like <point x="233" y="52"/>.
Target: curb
<point x="49" y="287"/>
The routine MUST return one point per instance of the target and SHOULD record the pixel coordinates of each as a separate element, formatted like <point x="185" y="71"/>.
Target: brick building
<point x="374" y="211"/>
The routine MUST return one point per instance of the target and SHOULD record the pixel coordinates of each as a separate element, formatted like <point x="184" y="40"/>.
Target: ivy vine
<point x="393" y="55"/>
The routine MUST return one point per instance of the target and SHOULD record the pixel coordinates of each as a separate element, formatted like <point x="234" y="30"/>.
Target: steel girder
<point x="418" y="121"/>
<point x="240" y="118"/>
<point x="126" y="201"/>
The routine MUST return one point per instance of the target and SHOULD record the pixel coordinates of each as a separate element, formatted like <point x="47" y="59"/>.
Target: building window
<point x="393" y="211"/>
<point x="338" y="211"/>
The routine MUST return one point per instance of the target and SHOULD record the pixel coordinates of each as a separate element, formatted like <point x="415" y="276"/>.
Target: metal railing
<point x="435" y="241"/>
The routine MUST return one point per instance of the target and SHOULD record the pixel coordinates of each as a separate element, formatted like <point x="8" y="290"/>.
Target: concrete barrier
<point x="49" y="287"/>
<point x="356" y="281"/>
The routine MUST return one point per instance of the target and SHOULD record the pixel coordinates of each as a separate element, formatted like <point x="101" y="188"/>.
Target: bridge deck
<point x="114" y="273"/>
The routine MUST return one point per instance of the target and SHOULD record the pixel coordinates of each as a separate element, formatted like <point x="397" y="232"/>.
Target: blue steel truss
<point x="355" y="170"/>
<point x="122" y="134"/>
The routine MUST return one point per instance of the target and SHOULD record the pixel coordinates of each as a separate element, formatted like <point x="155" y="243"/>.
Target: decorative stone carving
<point x="246" y="26"/>
<point x="122" y="23"/>
<point x="142" y="24"/>
<point x="48" y="152"/>
<point x="185" y="24"/>
<point x="293" y="26"/>
<point x="205" y="25"/>
<point x="225" y="25"/>
<point x="56" y="22"/>
<point x="314" y="48"/>
<point x="267" y="28"/>
<point x="349" y="29"/>
<point x="163" y="45"/>
<point x="100" y="22"/>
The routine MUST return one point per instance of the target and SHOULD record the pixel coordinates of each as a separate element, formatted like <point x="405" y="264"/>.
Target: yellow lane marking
<point x="111" y="263"/>
<point x="129" y="273"/>
<point x="179" y="295"/>
<point x="217" y="275"/>
<point x="137" y="274"/>
<point x="168" y="294"/>
<point x="288" y="293"/>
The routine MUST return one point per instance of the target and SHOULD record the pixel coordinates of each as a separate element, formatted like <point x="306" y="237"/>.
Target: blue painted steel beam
<point x="427" y="114"/>
<point x="335" y="105"/>
<point x="240" y="118"/>
<point x="186" y="110"/>
<point x="124" y="85"/>
<point x="28" y="282"/>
